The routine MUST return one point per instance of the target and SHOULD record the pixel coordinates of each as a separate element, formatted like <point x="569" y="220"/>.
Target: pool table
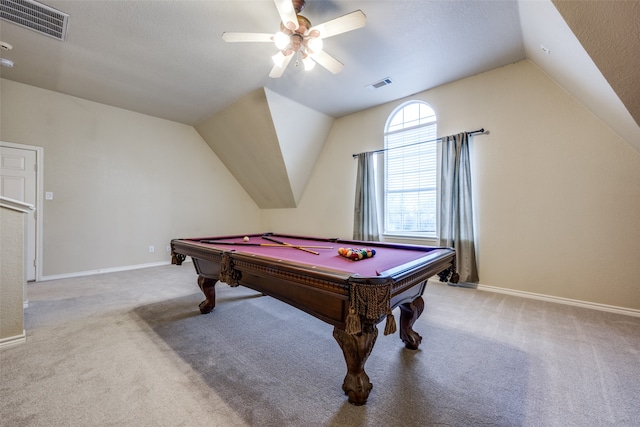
<point x="309" y="274"/>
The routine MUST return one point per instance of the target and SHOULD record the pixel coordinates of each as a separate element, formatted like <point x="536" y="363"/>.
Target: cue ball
<point x="246" y="238"/>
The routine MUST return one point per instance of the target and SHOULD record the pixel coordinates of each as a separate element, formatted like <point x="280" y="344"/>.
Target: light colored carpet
<point x="132" y="349"/>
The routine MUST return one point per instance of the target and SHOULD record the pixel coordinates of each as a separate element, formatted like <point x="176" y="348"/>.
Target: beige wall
<point x="121" y="181"/>
<point x="557" y="191"/>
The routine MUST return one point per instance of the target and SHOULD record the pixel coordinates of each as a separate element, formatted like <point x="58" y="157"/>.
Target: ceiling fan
<point x="297" y="37"/>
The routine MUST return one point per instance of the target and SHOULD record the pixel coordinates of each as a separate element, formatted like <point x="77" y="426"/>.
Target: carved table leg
<point x="409" y="313"/>
<point x="449" y="275"/>
<point x="356" y="349"/>
<point x="177" y="258"/>
<point x="207" y="286"/>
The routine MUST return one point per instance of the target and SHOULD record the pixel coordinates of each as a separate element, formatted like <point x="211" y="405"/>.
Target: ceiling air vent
<point x="378" y="85"/>
<point x="35" y="16"/>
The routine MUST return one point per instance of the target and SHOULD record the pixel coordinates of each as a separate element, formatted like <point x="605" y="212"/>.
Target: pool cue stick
<point x="290" y="245"/>
<point x="275" y="245"/>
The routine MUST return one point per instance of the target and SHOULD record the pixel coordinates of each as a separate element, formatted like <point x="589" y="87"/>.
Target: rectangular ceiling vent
<point x="35" y="16"/>
<point x="378" y="85"/>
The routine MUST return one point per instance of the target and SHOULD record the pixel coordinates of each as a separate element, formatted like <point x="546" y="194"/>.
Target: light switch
<point x="48" y="195"/>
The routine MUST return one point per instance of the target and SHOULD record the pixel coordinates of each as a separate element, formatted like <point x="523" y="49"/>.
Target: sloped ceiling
<point x="269" y="143"/>
<point x="610" y="32"/>
<point x="167" y="59"/>
<point x="571" y="65"/>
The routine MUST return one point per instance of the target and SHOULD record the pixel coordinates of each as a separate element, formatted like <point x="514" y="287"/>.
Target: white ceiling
<point x="167" y="58"/>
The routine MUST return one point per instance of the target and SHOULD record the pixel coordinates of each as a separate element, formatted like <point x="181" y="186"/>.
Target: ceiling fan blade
<point x="277" y="71"/>
<point x="247" y="37"/>
<point x="328" y="61"/>
<point x="348" y="22"/>
<point x="287" y="14"/>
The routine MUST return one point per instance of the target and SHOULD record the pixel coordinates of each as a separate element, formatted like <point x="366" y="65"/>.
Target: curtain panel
<point x="365" y="218"/>
<point x="456" y="212"/>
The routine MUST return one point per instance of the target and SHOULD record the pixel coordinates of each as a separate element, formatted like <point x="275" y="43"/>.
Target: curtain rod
<point x="473" y="132"/>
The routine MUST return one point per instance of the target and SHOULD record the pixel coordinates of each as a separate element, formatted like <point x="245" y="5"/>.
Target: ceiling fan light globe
<point x="281" y="40"/>
<point x="278" y="58"/>
<point x="308" y="63"/>
<point x="315" y="45"/>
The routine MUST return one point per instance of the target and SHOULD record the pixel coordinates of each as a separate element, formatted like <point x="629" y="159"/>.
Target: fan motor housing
<point x="298" y="5"/>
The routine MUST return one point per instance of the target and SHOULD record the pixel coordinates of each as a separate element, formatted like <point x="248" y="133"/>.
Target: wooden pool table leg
<point x="409" y="313"/>
<point x="356" y="349"/>
<point x="207" y="286"/>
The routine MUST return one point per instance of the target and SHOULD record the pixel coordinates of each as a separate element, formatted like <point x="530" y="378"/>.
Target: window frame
<point x="430" y="127"/>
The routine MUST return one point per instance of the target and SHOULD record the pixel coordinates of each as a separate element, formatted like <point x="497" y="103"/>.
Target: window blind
<point x="410" y="180"/>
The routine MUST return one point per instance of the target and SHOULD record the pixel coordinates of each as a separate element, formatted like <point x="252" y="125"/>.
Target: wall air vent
<point x="378" y="85"/>
<point x="35" y="16"/>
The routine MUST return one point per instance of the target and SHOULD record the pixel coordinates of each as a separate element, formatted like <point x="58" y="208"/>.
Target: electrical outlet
<point x="168" y="248"/>
<point x="151" y="249"/>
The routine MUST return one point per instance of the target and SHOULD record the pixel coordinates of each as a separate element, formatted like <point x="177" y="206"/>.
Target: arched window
<point x="410" y="172"/>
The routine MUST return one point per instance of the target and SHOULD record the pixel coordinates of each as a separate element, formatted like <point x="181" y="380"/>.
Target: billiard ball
<point x="246" y="238"/>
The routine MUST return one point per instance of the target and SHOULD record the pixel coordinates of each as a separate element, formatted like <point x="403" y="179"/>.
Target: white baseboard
<point x="18" y="339"/>
<point x="480" y="287"/>
<point x="104" y="270"/>
<point x="560" y="300"/>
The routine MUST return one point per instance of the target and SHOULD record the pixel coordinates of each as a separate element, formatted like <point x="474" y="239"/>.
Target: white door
<point x="18" y="182"/>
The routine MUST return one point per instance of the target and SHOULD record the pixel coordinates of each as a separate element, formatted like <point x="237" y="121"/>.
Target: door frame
<point x="39" y="198"/>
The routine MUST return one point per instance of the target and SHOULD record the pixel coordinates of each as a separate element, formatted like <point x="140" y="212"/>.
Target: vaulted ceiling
<point x="609" y="31"/>
<point x="167" y="59"/>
